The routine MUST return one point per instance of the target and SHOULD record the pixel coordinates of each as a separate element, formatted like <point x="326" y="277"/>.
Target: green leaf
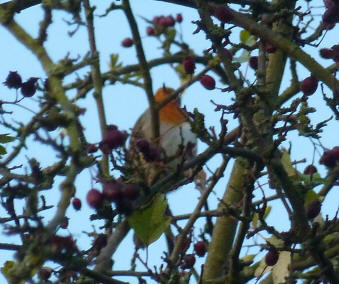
<point x="255" y="220"/>
<point x="2" y="150"/>
<point x="267" y="211"/>
<point x="310" y="196"/>
<point x="114" y="61"/>
<point x="150" y="222"/>
<point x="170" y="34"/>
<point x="287" y="164"/>
<point x="244" y="35"/>
<point x="4" y="138"/>
<point x="248" y="258"/>
<point x="247" y="39"/>
<point x="314" y="179"/>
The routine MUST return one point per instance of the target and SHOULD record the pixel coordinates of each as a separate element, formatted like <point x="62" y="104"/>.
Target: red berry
<point x="127" y="42"/>
<point x="28" y="88"/>
<point x="309" y="85"/>
<point x="178" y="18"/>
<point x="253" y="62"/>
<point x="112" y="190"/>
<point x="150" y="30"/>
<point x="76" y="202"/>
<point x="94" y="198"/>
<point x="189" y="65"/>
<point x="328" y="159"/>
<point x="188" y="261"/>
<point x="310" y="170"/>
<point x="223" y="14"/>
<point x="13" y="80"/>
<point x="200" y="248"/>
<point x="313" y="209"/>
<point x="156" y="20"/>
<point x="208" y="82"/>
<point x="130" y="191"/>
<point x="325" y="53"/>
<point x="271" y="257"/>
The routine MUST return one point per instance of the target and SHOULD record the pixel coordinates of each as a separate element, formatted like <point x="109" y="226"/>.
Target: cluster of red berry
<point x="114" y="191"/>
<point x="14" y="81"/>
<point x="161" y="23"/>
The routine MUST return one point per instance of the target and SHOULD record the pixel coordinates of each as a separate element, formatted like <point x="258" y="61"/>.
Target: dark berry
<point x="253" y="62"/>
<point x="45" y="273"/>
<point x="124" y="206"/>
<point x="76" y="202"/>
<point x="208" y="82"/>
<point x="130" y="191"/>
<point x="330" y="17"/>
<point x="64" y="223"/>
<point x="178" y="18"/>
<point x="271" y="257"/>
<point x="94" y="198"/>
<point x="162" y="21"/>
<point x="223" y="14"/>
<point x="335" y="52"/>
<point x="329" y="4"/>
<point x="152" y="155"/>
<point x="150" y="30"/>
<point x="92" y="148"/>
<point x="100" y="242"/>
<point x="309" y="85"/>
<point x="143" y="145"/>
<point x="112" y="190"/>
<point x="335" y="153"/>
<point x="189" y="65"/>
<point x="113" y="138"/>
<point x="310" y="170"/>
<point x="188" y="261"/>
<point x="170" y="22"/>
<point x="327" y="159"/>
<point x="28" y="88"/>
<point x="200" y="248"/>
<point x="325" y="53"/>
<point x="229" y="54"/>
<point x="313" y="209"/>
<point x="127" y="42"/>
<point x="270" y="48"/>
<point x="156" y="20"/>
<point x="13" y="80"/>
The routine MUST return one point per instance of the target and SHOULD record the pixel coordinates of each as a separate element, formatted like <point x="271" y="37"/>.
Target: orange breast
<point x="171" y="112"/>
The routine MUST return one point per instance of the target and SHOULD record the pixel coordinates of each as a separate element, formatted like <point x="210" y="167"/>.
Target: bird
<point x="176" y="142"/>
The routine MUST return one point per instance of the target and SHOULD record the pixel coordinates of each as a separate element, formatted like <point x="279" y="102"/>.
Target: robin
<point x="176" y="142"/>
